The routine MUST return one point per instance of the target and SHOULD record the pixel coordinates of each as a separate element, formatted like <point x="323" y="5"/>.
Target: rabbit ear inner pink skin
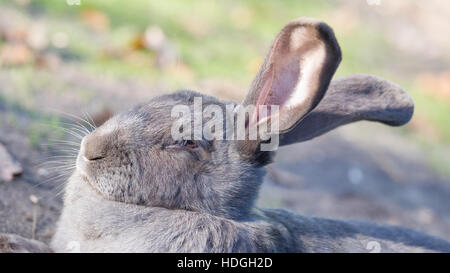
<point x="295" y="73"/>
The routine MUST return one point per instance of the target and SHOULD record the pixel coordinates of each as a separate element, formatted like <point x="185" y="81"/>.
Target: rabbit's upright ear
<point x="354" y="98"/>
<point x="295" y="73"/>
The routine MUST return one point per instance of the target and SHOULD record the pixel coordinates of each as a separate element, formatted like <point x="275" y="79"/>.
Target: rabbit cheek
<point x="112" y="178"/>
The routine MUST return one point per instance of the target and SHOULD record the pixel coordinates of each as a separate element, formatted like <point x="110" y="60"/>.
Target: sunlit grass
<point x="215" y="38"/>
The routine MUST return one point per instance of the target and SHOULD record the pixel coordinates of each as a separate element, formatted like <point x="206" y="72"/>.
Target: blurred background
<point x="66" y="58"/>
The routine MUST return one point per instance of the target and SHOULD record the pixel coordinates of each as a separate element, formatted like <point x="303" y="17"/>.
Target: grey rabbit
<point x="136" y="189"/>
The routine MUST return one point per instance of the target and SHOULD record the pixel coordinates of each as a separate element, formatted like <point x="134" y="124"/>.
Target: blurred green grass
<point x="212" y="36"/>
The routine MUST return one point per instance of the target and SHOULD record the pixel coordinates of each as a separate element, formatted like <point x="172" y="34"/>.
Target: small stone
<point x="154" y="38"/>
<point x="425" y="215"/>
<point x="37" y="37"/>
<point x="42" y="172"/>
<point x="9" y="168"/>
<point x="355" y="175"/>
<point x="34" y="199"/>
<point x="60" y="40"/>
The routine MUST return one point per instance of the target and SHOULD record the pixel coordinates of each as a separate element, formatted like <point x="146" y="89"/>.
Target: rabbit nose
<point x="92" y="148"/>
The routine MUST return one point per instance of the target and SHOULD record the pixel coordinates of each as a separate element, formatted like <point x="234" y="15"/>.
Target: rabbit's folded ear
<point x="296" y="72"/>
<point x="350" y="99"/>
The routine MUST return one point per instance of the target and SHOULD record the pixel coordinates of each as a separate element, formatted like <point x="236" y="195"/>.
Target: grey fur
<point x="372" y="98"/>
<point x="135" y="190"/>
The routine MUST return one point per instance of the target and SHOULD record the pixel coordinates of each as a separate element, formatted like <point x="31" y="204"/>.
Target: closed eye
<point x="183" y="143"/>
<point x="96" y="158"/>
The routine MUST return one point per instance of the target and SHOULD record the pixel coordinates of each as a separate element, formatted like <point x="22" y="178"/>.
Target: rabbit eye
<point x="186" y="143"/>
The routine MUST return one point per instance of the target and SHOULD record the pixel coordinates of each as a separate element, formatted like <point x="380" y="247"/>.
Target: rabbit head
<point x="135" y="158"/>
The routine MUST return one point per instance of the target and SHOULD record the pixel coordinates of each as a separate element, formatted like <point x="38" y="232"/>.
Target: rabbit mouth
<point x="82" y="169"/>
<point x="86" y="180"/>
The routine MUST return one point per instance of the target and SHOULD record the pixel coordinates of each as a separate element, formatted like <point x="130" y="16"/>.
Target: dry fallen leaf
<point x="47" y="60"/>
<point x="15" y="54"/>
<point x="436" y="84"/>
<point x="95" y="19"/>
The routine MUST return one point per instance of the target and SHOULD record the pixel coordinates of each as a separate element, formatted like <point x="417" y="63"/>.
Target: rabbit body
<point x="98" y="225"/>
